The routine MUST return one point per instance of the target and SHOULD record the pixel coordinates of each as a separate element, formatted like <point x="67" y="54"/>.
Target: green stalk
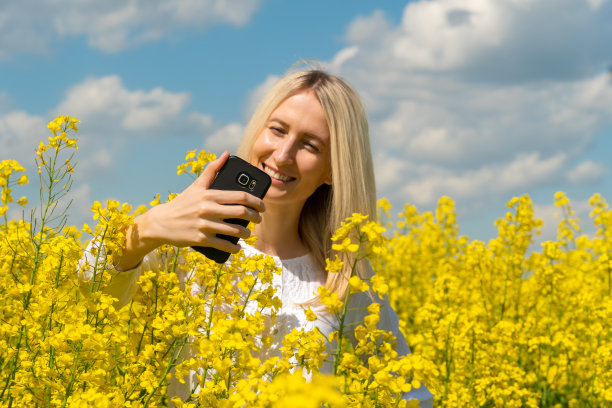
<point x="210" y="311"/>
<point x="72" y="375"/>
<point x="344" y="310"/>
<point x="247" y="298"/>
<point x="46" y="211"/>
<point x="448" y="359"/>
<point x="171" y="363"/>
<point x="95" y="286"/>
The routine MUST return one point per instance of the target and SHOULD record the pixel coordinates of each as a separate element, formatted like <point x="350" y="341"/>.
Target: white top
<point x="298" y="281"/>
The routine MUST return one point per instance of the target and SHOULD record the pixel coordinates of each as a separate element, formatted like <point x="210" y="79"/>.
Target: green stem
<point x="46" y="211"/>
<point x="171" y="363"/>
<point x="72" y="375"/>
<point x="246" y="301"/>
<point x="344" y="309"/>
<point x="144" y="329"/>
<point x="210" y="311"/>
<point x="95" y="286"/>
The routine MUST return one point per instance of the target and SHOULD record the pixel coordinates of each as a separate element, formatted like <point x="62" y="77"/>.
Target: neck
<point x="277" y="234"/>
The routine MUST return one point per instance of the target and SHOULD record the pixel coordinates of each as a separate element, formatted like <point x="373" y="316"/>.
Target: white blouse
<point x="297" y="283"/>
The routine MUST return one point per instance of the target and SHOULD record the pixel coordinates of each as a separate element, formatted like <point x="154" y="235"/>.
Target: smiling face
<point x="294" y="149"/>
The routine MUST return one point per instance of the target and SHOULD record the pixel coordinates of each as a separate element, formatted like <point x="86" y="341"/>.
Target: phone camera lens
<point x="243" y="179"/>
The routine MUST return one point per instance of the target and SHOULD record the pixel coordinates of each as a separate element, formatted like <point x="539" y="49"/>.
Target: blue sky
<point x="477" y="100"/>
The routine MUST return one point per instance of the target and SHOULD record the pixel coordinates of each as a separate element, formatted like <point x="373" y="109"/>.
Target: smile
<point x="276" y="175"/>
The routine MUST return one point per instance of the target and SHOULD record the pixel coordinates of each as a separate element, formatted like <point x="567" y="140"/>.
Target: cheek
<point x="264" y="143"/>
<point x="320" y="170"/>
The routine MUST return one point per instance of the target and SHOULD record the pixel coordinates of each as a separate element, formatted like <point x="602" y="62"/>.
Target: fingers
<point x="215" y="234"/>
<point x="210" y="228"/>
<point x="226" y="196"/>
<point x="233" y="204"/>
<point x="213" y="211"/>
<point x="222" y="245"/>
<point x="211" y="170"/>
<point x="241" y="198"/>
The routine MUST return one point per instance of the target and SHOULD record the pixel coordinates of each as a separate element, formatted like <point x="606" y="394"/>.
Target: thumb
<point x="211" y="170"/>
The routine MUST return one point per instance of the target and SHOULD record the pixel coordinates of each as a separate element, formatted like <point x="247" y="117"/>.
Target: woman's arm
<point x="194" y="217"/>
<point x="122" y="284"/>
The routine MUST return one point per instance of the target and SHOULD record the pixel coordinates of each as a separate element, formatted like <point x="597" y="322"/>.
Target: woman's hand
<point x="194" y="217"/>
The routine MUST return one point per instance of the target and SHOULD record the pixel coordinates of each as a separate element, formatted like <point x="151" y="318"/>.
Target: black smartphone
<point x="236" y="174"/>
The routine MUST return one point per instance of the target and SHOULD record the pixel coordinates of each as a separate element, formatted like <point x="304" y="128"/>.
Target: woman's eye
<point x="276" y="130"/>
<point x="311" y="146"/>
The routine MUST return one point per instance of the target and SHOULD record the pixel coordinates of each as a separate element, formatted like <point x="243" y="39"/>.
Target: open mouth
<point x="276" y="175"/>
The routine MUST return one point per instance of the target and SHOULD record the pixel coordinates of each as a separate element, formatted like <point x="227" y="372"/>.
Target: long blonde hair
<point x="353" y="188"/>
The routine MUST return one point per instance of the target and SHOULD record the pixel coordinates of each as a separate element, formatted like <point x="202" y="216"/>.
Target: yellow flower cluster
<point x="7" y="168"/>
<point x="496" y="324"/>
<point x="60" y="127"/>
<point x="374" y="374"/>
<point x="506" y="324"/>
<point x="196" y="162"/>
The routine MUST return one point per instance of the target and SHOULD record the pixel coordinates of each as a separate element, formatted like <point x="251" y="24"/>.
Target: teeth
<point x="276" y="175"/>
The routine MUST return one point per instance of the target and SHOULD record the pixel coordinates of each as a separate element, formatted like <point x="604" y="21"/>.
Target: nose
<point x="285" y="151"/>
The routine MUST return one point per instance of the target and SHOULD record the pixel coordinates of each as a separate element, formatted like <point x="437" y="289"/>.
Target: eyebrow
<point x="285" y="124"/>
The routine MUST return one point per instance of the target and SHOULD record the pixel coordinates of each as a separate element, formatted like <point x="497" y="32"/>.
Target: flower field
<point x="490" y="324"/>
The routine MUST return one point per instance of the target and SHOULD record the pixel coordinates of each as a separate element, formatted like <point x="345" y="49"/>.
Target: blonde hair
<point x="353" y="187"/>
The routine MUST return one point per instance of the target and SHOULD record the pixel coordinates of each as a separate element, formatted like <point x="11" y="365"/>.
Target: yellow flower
<point x="190" y="154"/>
<point x="379" y="285"/>
<point x="310" y="315"/>
<point x="54" y="126"/>
<point x="357" y="285"/>
<point x="346" y="245"/>
<point x="334" y="266"/>
<point x="197" y="164"/>
<point x="489" y="324"/>
<point x="156" y="201"/>
<point x="329" y="299"/>
<point x="384" y="204"/>
<point x="23" y="179"/>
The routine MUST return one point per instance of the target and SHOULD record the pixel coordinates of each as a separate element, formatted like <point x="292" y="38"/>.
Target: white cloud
<point x="256" y="95"/>
<point x="369" y="30"/>
<point x="106" y="99"/>
<point x="443" y="35"/>
<point x="99" y="159"/>
<point x="111" y="25"/>
<point x="116" y="25"/>
<point x="587" y="172"/>
<point x="428" y="183"/>
<point x="551" y="216"/>
<point x="343" y="56"/>
<point x="78" y="199"/>
<point x="226" y="138"/>
<point x="122" y="130"/>
<point x="486" y="40"/>
<point x="597" y="3"/>
<point x="80" y="208"/>
<point x="391" y="173"/>
<point x="22" y="28"/>
<point x="114" y="120"/>
<point x="482" y="99"/>
<point x="19" y="136"/>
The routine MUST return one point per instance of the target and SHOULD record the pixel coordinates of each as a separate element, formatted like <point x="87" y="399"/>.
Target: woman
<point x="310" y="134"/>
